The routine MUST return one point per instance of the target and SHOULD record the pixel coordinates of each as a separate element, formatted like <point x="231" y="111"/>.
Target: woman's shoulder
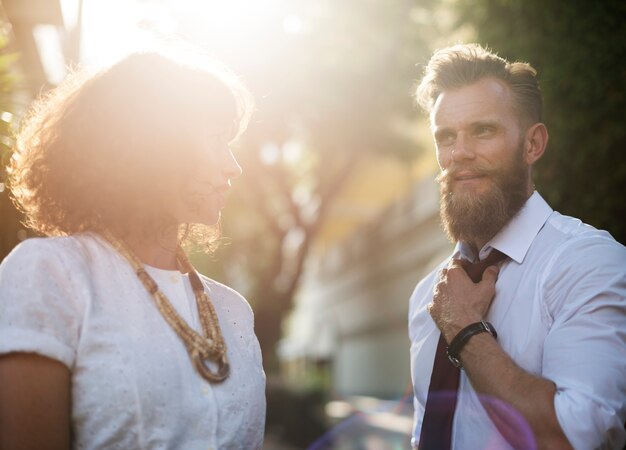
<point x="68" y="252"/>
<point x="225" y="295"/>
<point x="36" y="249"/>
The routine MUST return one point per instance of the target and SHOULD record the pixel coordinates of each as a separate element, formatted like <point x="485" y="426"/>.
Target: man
<point x="554" y="295"/>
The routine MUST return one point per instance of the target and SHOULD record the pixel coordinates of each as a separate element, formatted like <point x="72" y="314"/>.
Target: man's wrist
<point x="451" y="330"/>
<point x="463" y="336"/>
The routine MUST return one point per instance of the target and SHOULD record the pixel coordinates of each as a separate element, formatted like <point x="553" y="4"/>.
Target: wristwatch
<point x="463" y="336"/>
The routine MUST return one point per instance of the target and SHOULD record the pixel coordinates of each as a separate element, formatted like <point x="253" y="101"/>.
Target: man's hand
<point x="458" y="301"/>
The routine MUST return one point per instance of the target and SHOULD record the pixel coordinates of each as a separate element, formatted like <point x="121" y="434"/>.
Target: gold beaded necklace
<point x="202" y="349"/>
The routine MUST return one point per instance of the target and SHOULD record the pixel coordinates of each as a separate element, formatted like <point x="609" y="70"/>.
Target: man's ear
<point x="535" y="142"/>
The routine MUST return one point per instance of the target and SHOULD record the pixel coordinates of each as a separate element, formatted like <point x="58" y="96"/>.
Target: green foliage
<point x="9" y="217"/>
<point x="579" y="49"/>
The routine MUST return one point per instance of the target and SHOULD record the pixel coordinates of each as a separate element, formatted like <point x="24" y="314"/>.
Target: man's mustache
<point x="448" y="175"/>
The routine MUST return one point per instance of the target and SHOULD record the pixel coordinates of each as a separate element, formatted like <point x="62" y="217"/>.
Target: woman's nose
<point x="231" y="167"/>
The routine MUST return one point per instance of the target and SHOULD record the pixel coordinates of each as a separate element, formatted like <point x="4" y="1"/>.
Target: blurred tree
<point x="9" y="218"/>
<point x="330" y="90"/>
<point x="579" y="49"/>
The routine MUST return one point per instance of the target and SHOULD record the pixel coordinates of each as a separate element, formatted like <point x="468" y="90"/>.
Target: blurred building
<point x="349" y="326"/>
<point x="348" y="333"/>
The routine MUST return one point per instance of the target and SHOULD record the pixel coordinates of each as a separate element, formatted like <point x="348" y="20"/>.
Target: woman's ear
<point x="535" y="142"/>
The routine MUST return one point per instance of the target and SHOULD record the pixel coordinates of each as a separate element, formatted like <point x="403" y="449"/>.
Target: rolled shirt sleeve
<point x="585" y="348"/>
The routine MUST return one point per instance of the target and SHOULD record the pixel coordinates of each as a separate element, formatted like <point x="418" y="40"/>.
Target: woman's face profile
<point x="205" y="190"/>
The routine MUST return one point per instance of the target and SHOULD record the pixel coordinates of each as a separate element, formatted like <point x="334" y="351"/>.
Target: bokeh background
<point x="336" y="216"/>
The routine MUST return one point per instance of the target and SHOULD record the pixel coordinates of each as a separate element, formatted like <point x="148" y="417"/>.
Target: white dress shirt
<point x="74" y="299"/>
<point x="560" y="313"/>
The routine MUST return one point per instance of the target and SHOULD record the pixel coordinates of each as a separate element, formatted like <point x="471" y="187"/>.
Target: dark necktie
<point x="436" y="431"/>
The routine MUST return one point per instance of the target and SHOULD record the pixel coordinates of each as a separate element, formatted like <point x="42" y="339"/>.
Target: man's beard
<point x="473" y="217"/>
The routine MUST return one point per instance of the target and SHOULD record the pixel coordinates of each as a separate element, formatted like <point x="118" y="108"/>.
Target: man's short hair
<point x="465" y="64"/>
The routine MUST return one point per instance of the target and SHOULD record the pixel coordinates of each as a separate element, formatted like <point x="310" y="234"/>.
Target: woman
<point x="108" y="336"/>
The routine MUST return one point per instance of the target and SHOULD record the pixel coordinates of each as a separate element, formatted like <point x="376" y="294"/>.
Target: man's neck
<point x="473" y="248"/>
<point x="478" y="244"/>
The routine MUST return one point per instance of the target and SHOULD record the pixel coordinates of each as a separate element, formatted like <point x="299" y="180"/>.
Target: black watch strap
<point x="464" y="335"/>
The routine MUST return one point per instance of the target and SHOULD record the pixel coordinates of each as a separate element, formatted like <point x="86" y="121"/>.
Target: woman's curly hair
<point x="113" y="149"/>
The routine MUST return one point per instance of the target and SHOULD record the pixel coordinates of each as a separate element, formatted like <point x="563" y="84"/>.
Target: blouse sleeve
<point x="41" y="300"/>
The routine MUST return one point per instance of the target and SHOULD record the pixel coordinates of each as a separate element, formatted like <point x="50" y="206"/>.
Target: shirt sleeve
<point x="40" y="301"/>
<point x="585" y="349"/>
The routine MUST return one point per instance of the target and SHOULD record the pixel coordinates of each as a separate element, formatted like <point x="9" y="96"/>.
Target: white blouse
<point x="74" y="299"/>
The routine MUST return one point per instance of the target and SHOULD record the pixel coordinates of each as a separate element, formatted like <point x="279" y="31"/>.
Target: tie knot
<point x="475" y="270"/>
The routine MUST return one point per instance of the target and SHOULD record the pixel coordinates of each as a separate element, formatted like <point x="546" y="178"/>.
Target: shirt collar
<point x="515" y="238"/>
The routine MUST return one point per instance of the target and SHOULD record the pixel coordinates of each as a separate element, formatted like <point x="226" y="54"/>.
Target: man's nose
<point x="463" y="148"/>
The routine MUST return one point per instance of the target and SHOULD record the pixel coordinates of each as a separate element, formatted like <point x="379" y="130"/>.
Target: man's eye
<point x="485" y="130"/>
<point x="445" y="139"/>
